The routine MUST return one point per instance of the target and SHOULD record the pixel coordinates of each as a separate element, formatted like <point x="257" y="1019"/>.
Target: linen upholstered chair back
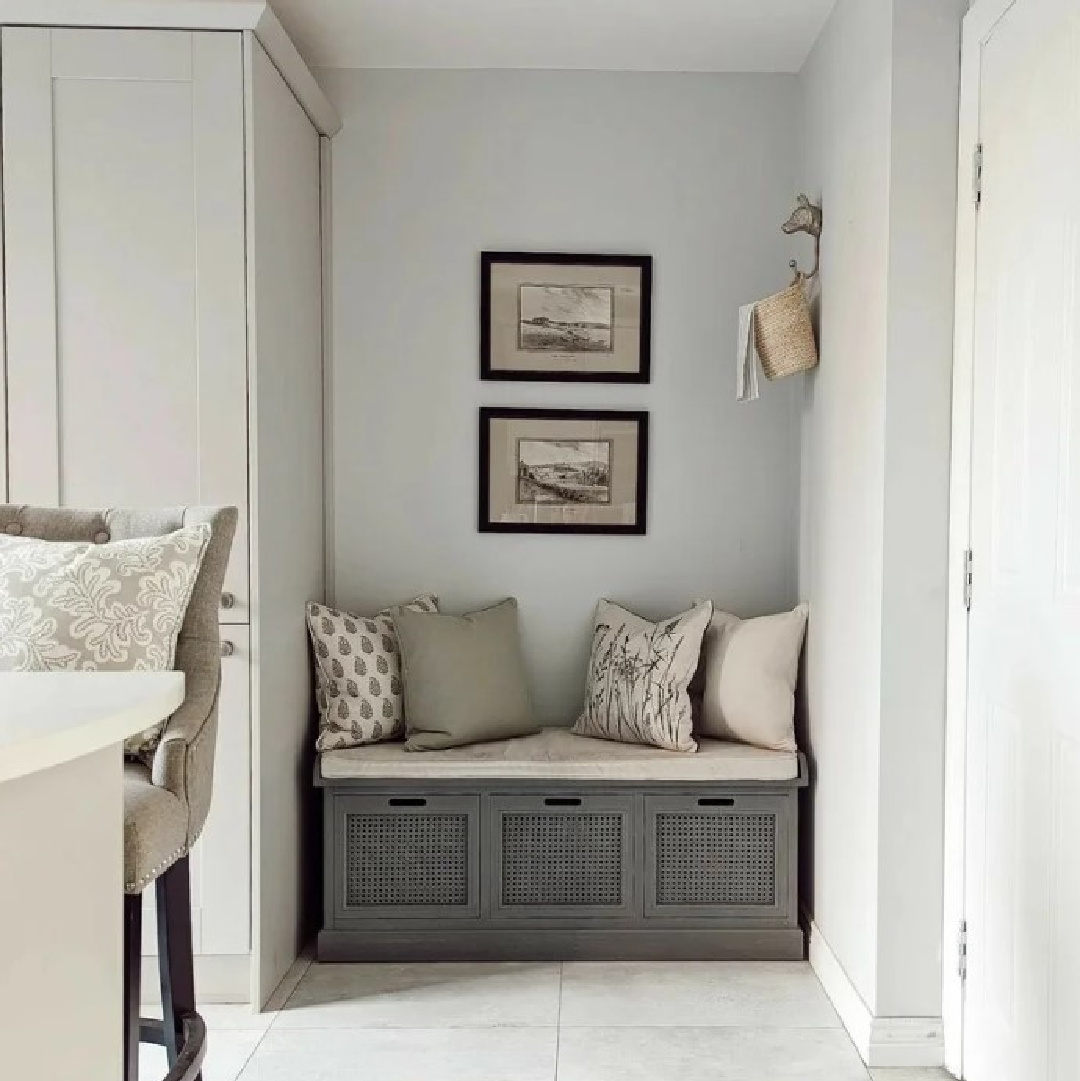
<point x="184" y="761"/>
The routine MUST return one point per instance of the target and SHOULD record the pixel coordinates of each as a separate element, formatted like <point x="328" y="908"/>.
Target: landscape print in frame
<point x="555" y="317"/>
<point x="563" y="471"/>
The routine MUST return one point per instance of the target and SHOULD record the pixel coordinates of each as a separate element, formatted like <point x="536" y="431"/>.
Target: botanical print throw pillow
<point x="81" y="607"/>
<point x="639" y="673"/>
<point x="358" y="674"/>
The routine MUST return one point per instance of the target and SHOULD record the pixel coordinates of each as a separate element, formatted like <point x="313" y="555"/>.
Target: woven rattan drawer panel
<point x="711" y="855"/>
<point x="704" y="859"/>
<point x="562" y="856"/>
<point x="408" y="857"/>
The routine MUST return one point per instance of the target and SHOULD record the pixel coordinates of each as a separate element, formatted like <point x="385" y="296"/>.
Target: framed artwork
<point x="565" y="318"/>
<point x="563" y="471"/>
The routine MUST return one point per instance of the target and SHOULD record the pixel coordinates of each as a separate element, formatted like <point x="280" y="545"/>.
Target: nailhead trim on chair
<point x="157" y="872"/>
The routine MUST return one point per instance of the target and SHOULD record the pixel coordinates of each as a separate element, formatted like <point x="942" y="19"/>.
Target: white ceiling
<point x="620" y="35"/>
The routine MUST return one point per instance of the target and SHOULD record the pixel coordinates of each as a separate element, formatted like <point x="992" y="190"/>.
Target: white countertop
<point x="48" y="718"/>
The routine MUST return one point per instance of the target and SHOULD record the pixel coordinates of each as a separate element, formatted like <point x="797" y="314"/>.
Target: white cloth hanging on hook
<point x="746" y="365"/>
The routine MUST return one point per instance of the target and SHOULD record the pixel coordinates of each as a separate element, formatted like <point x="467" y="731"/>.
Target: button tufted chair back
<point x="184" y="761"/>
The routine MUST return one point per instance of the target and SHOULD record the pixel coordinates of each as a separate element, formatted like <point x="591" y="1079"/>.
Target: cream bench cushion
<point x="556" y="754"/>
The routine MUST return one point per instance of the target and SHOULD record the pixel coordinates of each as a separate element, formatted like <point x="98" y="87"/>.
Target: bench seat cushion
<point x="558" y="754"/>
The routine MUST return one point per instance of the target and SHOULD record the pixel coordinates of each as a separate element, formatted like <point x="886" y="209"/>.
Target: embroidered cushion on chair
<point x="81" y="607"/>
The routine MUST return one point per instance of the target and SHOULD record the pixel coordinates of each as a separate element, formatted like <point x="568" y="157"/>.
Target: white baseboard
<point x="883" y="1042"/>
<point x="218" y="978"/>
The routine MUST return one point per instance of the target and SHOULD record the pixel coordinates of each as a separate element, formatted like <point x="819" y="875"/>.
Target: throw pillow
<point x="639" y="675"/>
<point x="82" y="607"/>
<point x="465" y="677"/>
<point x="750" y="670"/>
<point x="358" y="674"/>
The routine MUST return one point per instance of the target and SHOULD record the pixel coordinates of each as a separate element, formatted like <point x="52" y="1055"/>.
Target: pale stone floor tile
<point x="424" y="996"/>
<point x="911" y="1075"/>
<point x="657" y="994"/>
<point x="227" y="1052"/>
<point x="707" y="1054"/>
<point x="739" y="1022"/>
<point x="443" y="1054"/>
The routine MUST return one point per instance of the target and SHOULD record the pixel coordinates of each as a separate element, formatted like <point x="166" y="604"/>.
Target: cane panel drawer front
<point x="563" y="856"/>
<point x="406" y="856"/>
<point x="722" y="854"/>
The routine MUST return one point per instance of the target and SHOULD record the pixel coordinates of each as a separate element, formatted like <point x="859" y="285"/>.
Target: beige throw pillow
<point x="358" y="674"/>
<point x="751" y="667"/>
<point x="639" y="675"/>
<point x="465" y="678"/>
<point x="82" y="607"/>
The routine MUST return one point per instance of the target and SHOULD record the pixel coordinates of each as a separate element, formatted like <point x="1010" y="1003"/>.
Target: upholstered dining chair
<point x="166" y="799"/>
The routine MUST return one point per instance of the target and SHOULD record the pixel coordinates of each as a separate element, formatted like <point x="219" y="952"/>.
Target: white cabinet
<point x="125" y="248"/>
<point x="163" y="314"/>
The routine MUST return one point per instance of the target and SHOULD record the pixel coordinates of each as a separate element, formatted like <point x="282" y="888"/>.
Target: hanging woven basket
<point x="784" y="333"/>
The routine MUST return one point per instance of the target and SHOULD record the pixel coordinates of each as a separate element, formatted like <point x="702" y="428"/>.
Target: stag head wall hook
<point x="806" y="218"/>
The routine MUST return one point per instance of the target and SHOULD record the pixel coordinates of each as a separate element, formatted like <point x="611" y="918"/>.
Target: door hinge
<point x="969" y="577"/>
<point x="962" y="951"/>
<point x="977" y="175"/>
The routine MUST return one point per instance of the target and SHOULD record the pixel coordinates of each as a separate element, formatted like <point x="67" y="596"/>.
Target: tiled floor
<point x="569" y="1022"/>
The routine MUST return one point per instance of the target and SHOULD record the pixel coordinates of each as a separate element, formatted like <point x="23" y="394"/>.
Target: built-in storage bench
<point x="558" y="847"/>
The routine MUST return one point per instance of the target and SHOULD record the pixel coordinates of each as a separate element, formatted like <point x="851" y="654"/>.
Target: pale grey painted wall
<point x="880" y="96"/>
<point x="430" y="168"/>
<point x="847" y="102"/>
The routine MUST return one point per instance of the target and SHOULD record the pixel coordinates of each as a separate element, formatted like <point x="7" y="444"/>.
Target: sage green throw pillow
<point x="464" y="677"/>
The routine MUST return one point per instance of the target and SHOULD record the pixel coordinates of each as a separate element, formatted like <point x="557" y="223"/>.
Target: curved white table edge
<point x="48" y="719"/>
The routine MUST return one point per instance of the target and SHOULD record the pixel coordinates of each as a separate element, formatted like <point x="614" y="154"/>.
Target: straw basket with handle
<point x="784" y="333"/>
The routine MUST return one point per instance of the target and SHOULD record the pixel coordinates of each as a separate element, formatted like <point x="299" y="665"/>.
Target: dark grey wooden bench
<point x="557" y="847"/>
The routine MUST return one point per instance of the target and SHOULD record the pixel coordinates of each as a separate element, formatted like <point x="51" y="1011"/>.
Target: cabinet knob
<point x="227" y="649"/>
<point x="228" y="600"/>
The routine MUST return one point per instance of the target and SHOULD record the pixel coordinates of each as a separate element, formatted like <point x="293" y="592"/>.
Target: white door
<point x="1022" y="1009"/>
<point x="125" y="272"/>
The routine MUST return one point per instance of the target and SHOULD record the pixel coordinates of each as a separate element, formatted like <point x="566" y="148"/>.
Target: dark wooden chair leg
<point x="175" y="954"/>
<point x="132" y="983"/>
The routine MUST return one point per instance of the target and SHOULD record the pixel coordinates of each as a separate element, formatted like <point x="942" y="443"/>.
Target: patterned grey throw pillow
<point x="639" y="673"/>
<point x="358" y="674"/>
<point x="81" y="607"/>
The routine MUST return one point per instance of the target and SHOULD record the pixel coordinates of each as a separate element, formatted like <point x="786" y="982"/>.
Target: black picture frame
<point x="641" y="263"/>
<point x="639" y="417"/>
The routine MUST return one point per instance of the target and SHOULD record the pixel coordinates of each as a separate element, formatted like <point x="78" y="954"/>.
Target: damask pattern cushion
<point x="358" y="674"/>
<point x="639" y="676"/>
<point x="750" y="668"/>
<point x="80" y="607"/>
<point x="465" y="679"/>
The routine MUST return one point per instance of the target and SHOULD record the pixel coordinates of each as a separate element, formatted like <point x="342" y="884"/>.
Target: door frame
<point x="979" y="25"/>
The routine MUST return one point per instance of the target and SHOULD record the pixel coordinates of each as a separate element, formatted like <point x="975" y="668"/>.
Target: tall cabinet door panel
<point x="125" y="256"/>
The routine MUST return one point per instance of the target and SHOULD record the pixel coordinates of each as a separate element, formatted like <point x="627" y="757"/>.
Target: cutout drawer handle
<point x="562" y="801"/>
<point x="716" y="801"/>
<point x="410" y="801"/>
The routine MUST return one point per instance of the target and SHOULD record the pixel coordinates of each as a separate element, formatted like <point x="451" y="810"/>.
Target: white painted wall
<point x="285" y="286"/>
<point x="846" y="100"/>
<point x="911" y="766"/>
<point x="879" y="96"/>
<point x="430" y="168"/>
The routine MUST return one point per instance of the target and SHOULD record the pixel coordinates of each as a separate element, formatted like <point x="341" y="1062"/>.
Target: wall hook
<point x="806" y="218"/>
